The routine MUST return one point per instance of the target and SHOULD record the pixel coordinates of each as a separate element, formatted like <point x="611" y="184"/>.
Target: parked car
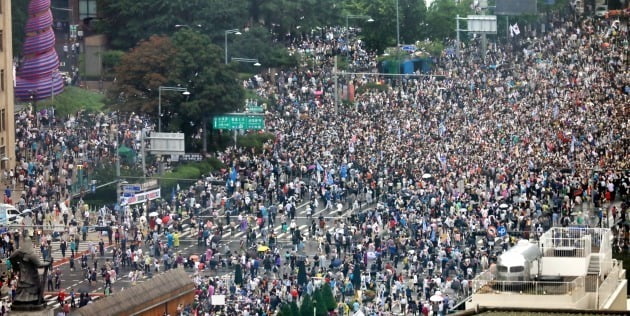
<point x="10" y="215"/>
<point x="601" y="10"/>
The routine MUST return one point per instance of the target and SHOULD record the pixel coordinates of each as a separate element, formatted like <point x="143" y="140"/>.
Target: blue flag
<point x="343" y="171"/>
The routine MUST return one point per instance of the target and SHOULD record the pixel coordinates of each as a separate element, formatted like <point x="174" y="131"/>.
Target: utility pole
<point x="457" y="30"/>
<point x="143" y="152"/>
<point x="397" y="26"/>
<point x="336" y="86"/>
<point x="117" y="155"/>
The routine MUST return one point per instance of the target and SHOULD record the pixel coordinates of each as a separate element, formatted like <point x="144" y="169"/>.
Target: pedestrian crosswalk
<point x="53" y="302"/>
<point x="55" y="247"/>
<point x="234" y="232"/>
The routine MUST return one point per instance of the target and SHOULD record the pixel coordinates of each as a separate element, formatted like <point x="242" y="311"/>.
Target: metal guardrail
<point x="526" y="287"/>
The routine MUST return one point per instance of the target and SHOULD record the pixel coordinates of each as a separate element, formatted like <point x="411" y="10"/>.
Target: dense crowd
<point x="529" y="137"/>
<point x="417" y="180"/>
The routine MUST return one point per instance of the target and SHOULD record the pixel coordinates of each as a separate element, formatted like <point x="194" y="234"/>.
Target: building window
<point x="2" y="80"/>
<point x="1" y="40"/>
<point x="3" y="120"/>
<point x="87" y="9"/>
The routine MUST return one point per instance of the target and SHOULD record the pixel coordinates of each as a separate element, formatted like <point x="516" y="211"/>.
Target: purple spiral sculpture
<point x="38" y="74"/>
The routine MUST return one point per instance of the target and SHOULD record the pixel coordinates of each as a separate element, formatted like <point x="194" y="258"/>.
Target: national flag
<point x="319" y="167"/>
<point x="514" y="30"/>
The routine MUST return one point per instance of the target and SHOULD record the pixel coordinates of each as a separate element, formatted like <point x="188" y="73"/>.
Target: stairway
<point x="593" y="265"/>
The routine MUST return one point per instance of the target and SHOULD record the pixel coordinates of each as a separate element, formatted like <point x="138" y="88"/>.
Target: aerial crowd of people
<point x="429" y="168"/>
<point x="413" y="182"/>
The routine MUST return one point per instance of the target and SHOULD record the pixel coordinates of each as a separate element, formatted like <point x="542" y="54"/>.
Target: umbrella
<point x="153" y="214"/>
<point x="427" y="176"/>
<point x="437" y="297"/>
<point x="194" y="258"/>
<point x="504" y="206"/>
<point x="166" y="219"/>
<point x="158" y="221"/>
<point x="311" y="167"/>
<point x="262" y="248"/>
<point x="216" y="239"/>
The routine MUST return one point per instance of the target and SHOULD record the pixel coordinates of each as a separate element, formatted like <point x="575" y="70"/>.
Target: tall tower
<point x="7" y="121"/>
<point x="38" y="74"/>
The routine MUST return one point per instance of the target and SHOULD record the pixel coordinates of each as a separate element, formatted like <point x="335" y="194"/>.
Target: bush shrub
<point x="254" y="140"/>
<point x="185" y="172"/>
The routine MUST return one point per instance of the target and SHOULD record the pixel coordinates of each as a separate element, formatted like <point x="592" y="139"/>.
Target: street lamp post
<point x="352" y="16"/>
<point x="187" y="25"/>
<point x="70" y="13"/>
<point x="247" y="60"/>
<point x="235" y="32"/>
<point x="397" y="26"/>
<point x="184" y="91"/>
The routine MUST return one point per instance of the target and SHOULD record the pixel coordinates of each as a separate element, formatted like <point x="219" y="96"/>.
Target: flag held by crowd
<point x="514" y="30"/>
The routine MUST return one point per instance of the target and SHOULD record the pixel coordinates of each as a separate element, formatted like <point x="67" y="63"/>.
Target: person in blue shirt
<point x="169" y="240"/>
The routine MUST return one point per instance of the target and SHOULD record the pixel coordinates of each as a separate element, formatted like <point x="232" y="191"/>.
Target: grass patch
<point x="183" y="174"/>
<point x="74" y="99"/>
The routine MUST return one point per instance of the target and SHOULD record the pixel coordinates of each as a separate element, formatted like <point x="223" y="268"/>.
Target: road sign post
<point x="236" y="121"/>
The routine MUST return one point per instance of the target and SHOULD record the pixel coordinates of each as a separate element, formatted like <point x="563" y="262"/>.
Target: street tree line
<point x="182" y="43"/>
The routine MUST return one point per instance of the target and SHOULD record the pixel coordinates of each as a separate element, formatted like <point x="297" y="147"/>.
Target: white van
<point x="9" y="215"/>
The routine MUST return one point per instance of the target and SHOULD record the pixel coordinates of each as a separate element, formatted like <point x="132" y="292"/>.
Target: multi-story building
<point x="570" y="269"/>
<point x="7" y="126"/>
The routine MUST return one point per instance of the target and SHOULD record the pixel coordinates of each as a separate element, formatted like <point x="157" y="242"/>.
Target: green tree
<point x="198" y="65"/>
<point x="238" y="274"/>
<point x="258" y="43"/>
<point x="412" y="16"/>
<point x="441" y="18"/>
<point x="140" y="72"/>
<point x="328" y="297"/>
<point x="19" y="14"/>
<point x="320" y="304"/>
<point x="306" y="308"/>
<point x="301" y="273"/>
<point x="285" y="310"/>
<point x="295" y="310"/>
<point x="291" y="16"/>
<point x="111" y="59"/>
<point x="383" y="32"/>
<point x="125" y="22"/>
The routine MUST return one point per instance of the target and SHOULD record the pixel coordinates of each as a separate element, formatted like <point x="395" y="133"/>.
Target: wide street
<point x="231" y="240"/>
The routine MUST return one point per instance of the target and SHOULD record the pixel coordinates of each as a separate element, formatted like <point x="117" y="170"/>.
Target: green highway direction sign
<point x="239" y="121"/>
<point x="255" y="109"/>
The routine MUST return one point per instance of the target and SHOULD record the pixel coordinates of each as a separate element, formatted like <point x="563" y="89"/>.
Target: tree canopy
<point x="141" y="71"/>
<point x="126" y="22"/>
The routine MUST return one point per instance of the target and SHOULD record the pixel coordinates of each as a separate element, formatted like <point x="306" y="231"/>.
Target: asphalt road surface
<point x="75" y="279"/>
